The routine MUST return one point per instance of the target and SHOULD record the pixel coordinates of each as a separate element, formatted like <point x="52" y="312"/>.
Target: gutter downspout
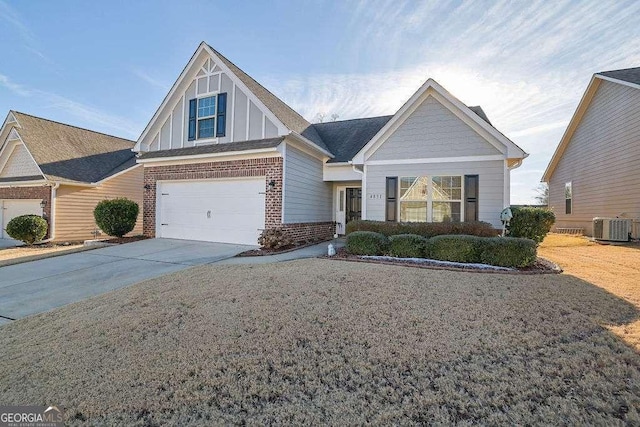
<point x="52" y="216"/>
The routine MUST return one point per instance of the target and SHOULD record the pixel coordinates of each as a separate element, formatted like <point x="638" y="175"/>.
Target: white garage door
<point x="12" y="208"/>
<point x="230" y="211"/>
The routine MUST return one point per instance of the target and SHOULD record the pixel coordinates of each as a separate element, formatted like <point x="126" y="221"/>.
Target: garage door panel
<point x="12" y="208"/>
<point x="222" y="210"/>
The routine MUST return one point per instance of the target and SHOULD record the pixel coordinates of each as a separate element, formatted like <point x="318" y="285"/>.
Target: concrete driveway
<point x="38" y="286"/>
<point x="9" y="243"/>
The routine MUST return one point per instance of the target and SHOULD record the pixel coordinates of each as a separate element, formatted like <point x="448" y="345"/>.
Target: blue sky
<point x="107" y="65"/>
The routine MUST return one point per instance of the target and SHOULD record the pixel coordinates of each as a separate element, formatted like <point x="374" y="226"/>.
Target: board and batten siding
<point x="20" y="163"/>
<point x="602" y="161"/>
<point x="432" y="130"/>
<point x="74" y="205"/>
<point x="307" y="198"/>
<point x="244" y="119"/>
<point x="491" y="185"/>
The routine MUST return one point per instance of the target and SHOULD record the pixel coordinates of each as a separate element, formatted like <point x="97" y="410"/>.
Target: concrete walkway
<point x="308" y="252"/>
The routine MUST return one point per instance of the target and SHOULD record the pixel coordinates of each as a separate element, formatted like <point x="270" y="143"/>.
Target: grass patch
<point x="320" y="342"/>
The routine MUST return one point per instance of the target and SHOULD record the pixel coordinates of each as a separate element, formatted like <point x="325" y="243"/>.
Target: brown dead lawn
<point x="330" y="342"/>
<point x="615" y="268"/>
<point x="8" y="255"/>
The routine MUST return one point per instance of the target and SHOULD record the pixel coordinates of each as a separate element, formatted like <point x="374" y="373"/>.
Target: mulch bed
<point x="541" y="266"/>
<point x="123" y="240"/>
<point x="285" y="249"/>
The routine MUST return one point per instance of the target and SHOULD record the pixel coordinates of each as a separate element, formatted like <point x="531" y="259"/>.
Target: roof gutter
<point x="205" y="156"/>
<point x="311" y="144"/>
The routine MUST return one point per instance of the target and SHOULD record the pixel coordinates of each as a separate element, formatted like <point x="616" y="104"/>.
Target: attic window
<point x="203" y="114"/>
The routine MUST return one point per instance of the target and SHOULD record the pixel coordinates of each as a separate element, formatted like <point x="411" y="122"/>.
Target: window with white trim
<point x="431" y="198"/>
<point x="568" y="198"/>
<point x="204" y="114"/>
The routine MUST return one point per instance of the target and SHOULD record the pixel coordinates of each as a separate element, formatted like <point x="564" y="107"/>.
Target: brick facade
<point x="270" y="168"/>
<point x="42" y="192"/>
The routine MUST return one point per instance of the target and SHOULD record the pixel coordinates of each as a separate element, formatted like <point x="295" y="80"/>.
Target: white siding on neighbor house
<point x="19" y="163"/>
<point x="432" y="130"/>
<point x="491" y="185"/>
<point x="602" y="160"/>
<point x="244" y="118"/>
<point x="306" y="197"/>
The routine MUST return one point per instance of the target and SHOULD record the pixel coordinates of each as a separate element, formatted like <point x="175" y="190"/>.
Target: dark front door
<point x="354" y="204"/>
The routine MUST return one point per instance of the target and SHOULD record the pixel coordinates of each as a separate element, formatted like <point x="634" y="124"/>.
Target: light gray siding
<point x="602" y="160"/>
<point x="165" y="135"/>
<point x="433" y="131"/>
<point x="255" y="122"/>
<point x="240" y="116"/>
<point x="306" y="197"/>
<point x="491" y="185"/>
<point x="270" y="130"/>
<point x="20" y="163"/>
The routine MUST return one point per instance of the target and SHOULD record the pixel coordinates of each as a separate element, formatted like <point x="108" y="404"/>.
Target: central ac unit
<point x="613" y="229"/>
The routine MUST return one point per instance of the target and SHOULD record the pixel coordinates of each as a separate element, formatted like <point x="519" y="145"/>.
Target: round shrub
<point x="27" y="228"/>
<point x="274" y="238"/>
<point x="408" y="246"/>
<point x="116" y="217"/>
<point x="367" y="243"/>
<point x="531" y="223"/>
<point x="508" y="252"/>
<point x="456" y="248"/>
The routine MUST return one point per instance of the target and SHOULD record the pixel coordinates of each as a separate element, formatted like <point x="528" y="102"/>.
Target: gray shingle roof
<point x="631" y="75"/>
<point x="70" y="154"/>
<point x="215" y="148"/>
<point x="287" y="115"/>
<point x="346" y="137"/>
<point x="480" y="112"/>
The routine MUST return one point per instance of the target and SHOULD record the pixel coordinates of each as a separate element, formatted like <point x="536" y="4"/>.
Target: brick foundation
<point x="307" y="231"/>
<point x="42" y="192"/>
<point x="270" y="168"/>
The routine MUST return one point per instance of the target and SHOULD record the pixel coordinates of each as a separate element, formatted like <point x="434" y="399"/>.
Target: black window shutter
<point x="471" y="197"/>
<point x="222" y="114"/>
<point x="193" y="109"/>
<point x="391" y="198"/>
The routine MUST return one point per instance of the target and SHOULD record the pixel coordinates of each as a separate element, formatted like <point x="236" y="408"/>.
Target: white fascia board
<point x="15" y="142"/>
<point x="299" y="138"/>
<point x="338" y="164"/>
<point x="42" y="182"/>
<point x="441" y="94"/>
<point x="228" y="155"/>
<point x="9" y="121"/>
<point x="437" y="160"/>
<point x="593" y="86"/>
<point x="622" y="82"/>
<point x="282" y="129"/>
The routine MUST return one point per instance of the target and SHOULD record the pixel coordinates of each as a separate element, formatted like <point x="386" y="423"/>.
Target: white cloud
<point x="153" y="81"/>
<point x="14" y="87"/>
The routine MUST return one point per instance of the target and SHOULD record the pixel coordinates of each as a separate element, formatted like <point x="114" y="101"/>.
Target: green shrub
<point x="508" y="252"/>
<point x="531" y="223"/>
<point x="27" y="228"/>
<point x="367" y="243"/>
<point x="408" y="246"/>
<point x="456" y="248"/>
<point x="424" y="229"/>
<point x="274" y="238"/>
<point x="116" y="217"/>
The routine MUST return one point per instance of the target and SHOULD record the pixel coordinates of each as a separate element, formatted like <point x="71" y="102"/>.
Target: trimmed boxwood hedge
<point x="425" y="229"/>
<point x="456" y="248"/>
<point x="408" y="246"/>
<point x="367" y="243"/>
<point x="27" y="228"/>
<point x="499" y="251"/>
<point x="508" y="252"/>
<point x="531" y="223"/>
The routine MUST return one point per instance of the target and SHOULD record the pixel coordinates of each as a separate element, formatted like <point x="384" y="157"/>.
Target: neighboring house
<point x="224" y="158"/>
<point x="595" y="171"/>
<point x="62" y="172"/>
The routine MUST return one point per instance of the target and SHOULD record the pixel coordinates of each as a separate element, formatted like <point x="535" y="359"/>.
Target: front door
<point x="348" y="206"/>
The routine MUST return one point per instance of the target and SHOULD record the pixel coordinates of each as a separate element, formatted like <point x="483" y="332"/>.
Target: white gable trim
<point x="622" y="82"/>
<point x="585" y="101"/>
<point x="13" y="140"/>
<point x="432" y="88"/>
<point x="203" y="47"/>
<point x="10" y="123"/>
